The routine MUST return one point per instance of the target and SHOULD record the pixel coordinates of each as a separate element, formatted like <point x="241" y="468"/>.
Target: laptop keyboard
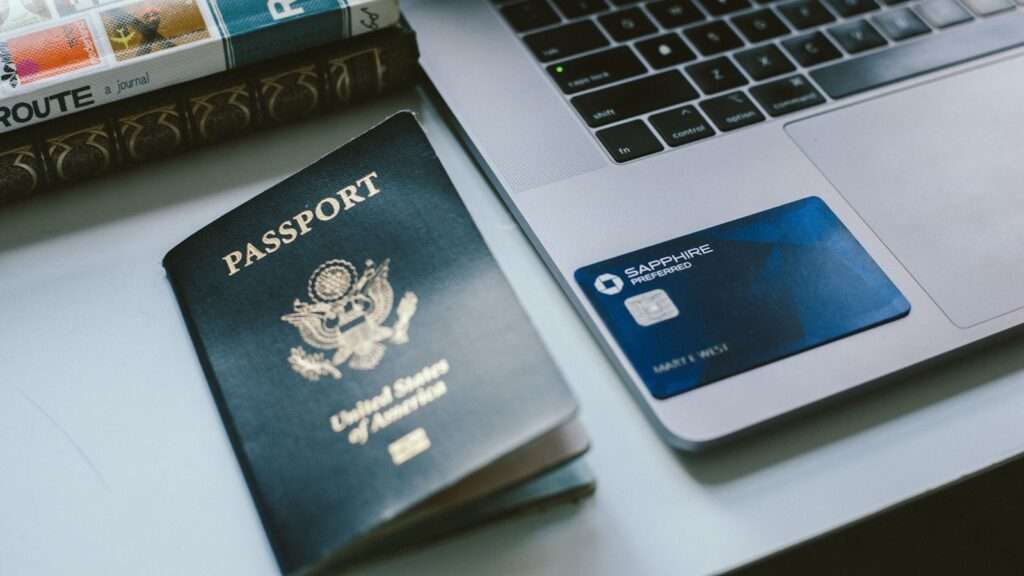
<point x="649" y="76"/>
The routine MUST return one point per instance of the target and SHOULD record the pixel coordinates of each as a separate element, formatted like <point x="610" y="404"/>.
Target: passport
<point x="372" y="366"/>
<point x="721" y="301"/>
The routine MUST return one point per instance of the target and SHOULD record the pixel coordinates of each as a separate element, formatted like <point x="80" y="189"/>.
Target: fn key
<point x="628" y="141"/>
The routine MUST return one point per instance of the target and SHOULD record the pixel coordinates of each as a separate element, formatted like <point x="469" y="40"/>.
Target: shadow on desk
<point x="970" y="527"/>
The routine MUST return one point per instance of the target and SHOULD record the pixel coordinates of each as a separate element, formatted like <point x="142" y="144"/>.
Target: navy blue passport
<point x="727" y="299"/>
<point x="372" y="366"/>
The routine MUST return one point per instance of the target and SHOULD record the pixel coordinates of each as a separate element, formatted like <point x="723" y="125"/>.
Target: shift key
<point x="634" y="98"/>
<point x="596" y="69"/>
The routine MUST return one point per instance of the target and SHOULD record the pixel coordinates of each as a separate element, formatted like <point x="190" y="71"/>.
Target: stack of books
<point x="88" y="87"/>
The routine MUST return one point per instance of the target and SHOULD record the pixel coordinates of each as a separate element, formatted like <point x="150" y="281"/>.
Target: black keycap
<point x="629" y="141"/>
<point x="804" y="14"/>
<point x="812" y="49"/>
<point x="681" y="126"/>
<point x="765" y="62"/>
<point x="732" y="111"/>
<point x="675" y="13"/>
<point x="857" y="36"/>
<point x="722" y="7"/>
<point x="787" y="95"/>
<point x="596" y="69"/>
<point x="761" y="25"/>
<point x="900" y="24"/>
<point x="943" y="13"/>
<point x="847" y="8"/>
<point x="716" y="75"/>
<point x="565" y="41"/>
<point x="926" y="55"/>
<point x="627" y="24"/>
<point x="986" y="7"/>
<point x="577" y="8"/>
<point x="665" y="50"/>
<point x="530" y="14"/>
<point x="632" y="98"/>
<point x="713" y="38"/>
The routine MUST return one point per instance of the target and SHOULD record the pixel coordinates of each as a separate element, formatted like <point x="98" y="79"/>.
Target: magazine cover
<point x="58" y="57"/>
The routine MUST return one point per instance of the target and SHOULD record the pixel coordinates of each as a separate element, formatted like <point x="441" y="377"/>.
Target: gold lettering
<point x="367" y="181"/>
<point x="303" y="219"/>
<point x="232" y="261"/>
<point x="350" y="196"/>
<point x="335" y="208"/>
<point x="252" y="254"/>
<point x="287" y="232"/>
<point x="270" y="242"/>
<point x="325" y="210"/>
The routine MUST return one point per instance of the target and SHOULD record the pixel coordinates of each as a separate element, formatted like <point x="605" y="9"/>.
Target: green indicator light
<point x="559" y="69"/>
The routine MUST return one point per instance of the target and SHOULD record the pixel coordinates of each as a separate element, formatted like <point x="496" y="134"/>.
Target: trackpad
<point x="937" y="172"/>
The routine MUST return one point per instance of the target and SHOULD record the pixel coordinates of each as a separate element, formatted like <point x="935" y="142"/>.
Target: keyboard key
<point x="857" y="36"/>
<point x="529" y="15"/>
<point x="565" y="41"/>
<point x="722" y="7"/>
<point x="812" y="49"/>
<point x="717" y="75"/>
<point x="627" y="24"/>
<point x="761" y="25"/>
<point x="577" y="8"/>
<point x="732" y="111"/>
<point x="675" y="13"/>
<point x="713" y="38"/>
<point x="986" y="7"/>
<point x="926" y="55"/>
<point x="787" y="95"/>
<point x="633" y="98"/>
<point x="664" y="51"/>
<point x="765" y="62"/>
<point x="805" y="14"/>
<point x="900" y="24"/>
<point x="681" y="126"/>
<point x="847" y="8"/>
<point x="943" y="13"/>
<point x="596" y="69"/>
<point x="629" y="141"/>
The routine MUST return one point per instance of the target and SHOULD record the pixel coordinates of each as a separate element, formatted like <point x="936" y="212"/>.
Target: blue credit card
<point x="721" y="301"/>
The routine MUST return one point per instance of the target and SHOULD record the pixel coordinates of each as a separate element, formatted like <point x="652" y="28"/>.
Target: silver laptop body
<point x="917" y="146"/>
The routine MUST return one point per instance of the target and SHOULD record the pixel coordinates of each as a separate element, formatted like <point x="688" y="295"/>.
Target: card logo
<point x="608" y="284"/>
<point x="346" y="315"/>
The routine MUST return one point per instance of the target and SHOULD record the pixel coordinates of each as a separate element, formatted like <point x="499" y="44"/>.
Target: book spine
<point x="159" y="125"/>
<point x="93" y="56"/>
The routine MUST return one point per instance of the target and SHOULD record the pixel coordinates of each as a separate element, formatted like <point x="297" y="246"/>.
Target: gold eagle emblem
<point x="346" y="315"/>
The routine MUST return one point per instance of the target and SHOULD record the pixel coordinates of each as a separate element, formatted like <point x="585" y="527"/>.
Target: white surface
<point x="115" y="460"/>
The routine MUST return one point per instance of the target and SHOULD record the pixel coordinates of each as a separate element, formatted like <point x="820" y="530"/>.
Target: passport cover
<point x="363" y="346"/>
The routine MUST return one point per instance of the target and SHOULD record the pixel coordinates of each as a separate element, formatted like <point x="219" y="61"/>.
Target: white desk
<point x="114" y="460"/>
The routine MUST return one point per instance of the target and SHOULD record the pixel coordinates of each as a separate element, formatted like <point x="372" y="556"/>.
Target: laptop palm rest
<point x="937" y="171"/>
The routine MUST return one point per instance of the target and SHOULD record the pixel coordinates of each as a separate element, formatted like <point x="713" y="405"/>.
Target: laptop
<point x="617" y="131"/>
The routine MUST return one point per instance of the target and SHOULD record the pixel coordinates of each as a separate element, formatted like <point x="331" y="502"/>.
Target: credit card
<point x="718" y="302"/>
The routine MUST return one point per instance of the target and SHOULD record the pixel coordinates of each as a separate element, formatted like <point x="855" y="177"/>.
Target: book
<point x="162" y="124"/>
<point x="373" y="368"/>
<point x="60" y="58"/>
